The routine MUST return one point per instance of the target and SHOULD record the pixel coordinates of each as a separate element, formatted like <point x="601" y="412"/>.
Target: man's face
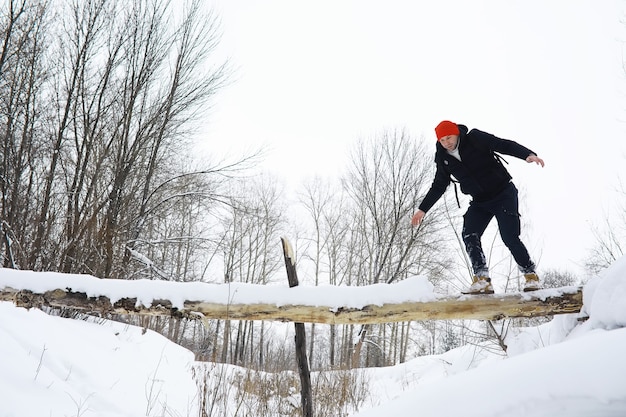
<point x="449" y="142"/>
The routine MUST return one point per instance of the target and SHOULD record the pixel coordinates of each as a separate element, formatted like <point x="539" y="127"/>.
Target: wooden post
<point x="303" y="363"/>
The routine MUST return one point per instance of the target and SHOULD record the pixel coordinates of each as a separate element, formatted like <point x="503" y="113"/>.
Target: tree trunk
<point x="485" y="307"/>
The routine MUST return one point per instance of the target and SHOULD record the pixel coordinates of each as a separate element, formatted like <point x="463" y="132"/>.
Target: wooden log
<point x="306" y="390"/>
<point x="482" y="307"/>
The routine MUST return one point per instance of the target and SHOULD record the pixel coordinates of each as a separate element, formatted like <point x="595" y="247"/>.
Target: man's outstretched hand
<point x="417" y="218"/>
<point x="534" y="158"/>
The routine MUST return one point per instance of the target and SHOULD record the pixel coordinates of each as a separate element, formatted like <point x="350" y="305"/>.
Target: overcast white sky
<point x="314" y="77"/>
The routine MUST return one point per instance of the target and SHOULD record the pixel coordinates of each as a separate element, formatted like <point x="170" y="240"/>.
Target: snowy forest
<point x="101" y="108"/>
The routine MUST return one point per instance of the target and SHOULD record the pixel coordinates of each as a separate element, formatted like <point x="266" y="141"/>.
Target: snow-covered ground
<point x="50" y="366"/>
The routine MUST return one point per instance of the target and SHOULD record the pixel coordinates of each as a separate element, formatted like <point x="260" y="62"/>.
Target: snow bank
<point x="605" y="297"/>
<point x="567" y="367"/>
<point x="51" y="366"/>
<point x="559" y="380"/>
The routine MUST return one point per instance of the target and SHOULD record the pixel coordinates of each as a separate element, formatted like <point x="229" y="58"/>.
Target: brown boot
<point x="480" y="285"/>
<point x="532" y="282"/>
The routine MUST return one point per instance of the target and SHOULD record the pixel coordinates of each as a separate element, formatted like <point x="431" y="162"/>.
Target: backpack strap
<point x="499" y="158"/>
<point x="456" y="191"/>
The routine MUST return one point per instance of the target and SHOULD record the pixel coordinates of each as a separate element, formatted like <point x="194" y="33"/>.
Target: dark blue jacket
<point x="479" y="173"/>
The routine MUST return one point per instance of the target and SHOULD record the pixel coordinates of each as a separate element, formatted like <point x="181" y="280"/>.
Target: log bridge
<point x="483" y="307"/>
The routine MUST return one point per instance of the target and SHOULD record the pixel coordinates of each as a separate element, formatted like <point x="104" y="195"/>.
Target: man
<point x="469" y="156"/>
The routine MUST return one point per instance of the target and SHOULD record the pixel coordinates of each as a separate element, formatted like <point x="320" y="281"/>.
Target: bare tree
<point x="610" y="236"/>
<point x="23" y="73"/>
<point x="95" y="128"/>
<point x="316" y="199"/>
<point x="387" y="179"/>
<point x="251" y="229"/>
<point x="362" y="235"/>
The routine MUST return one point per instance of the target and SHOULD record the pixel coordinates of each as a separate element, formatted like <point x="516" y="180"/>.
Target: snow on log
<point x="380" y="303"/>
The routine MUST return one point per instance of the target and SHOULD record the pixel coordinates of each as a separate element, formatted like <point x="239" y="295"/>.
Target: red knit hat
<point x="446" y="128"/>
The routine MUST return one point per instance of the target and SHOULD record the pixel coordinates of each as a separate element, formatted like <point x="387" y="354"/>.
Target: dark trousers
<point x="504" y="207"/>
